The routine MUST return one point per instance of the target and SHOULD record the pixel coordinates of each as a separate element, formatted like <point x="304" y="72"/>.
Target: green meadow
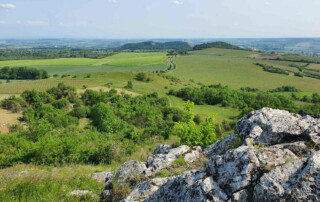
<point x="236" y="69"/>
<point x="81" y="69"/>
<point x="121" y="60"/>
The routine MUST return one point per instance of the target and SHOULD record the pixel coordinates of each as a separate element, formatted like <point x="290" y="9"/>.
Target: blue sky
<point x="159" y="18"/>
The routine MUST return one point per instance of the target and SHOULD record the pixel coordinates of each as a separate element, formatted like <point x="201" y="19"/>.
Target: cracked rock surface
<point x="268" y="158"/>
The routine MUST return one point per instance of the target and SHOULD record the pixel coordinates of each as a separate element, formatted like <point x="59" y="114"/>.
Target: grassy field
<point x="220" y="113"/>
<point x="81" y="69"/>
<point x="236" y="69"/>
<point x="48" y="183"/>
<point x="121" y="60"/>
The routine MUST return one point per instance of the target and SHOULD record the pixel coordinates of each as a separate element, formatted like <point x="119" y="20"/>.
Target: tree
<point x="190" y="134"/>
<point x="103" y="118"/>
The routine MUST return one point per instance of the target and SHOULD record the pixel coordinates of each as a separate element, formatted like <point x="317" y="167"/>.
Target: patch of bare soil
<point x="106" y="89"/>
<point x="7" y="118"/>
<point x="5" y="96"/>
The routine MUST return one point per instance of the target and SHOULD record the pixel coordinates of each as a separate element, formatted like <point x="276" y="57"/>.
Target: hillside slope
<point x="150" y="45"/>
<point x="270" y="158"/>
<point x="218" y="44"/>
<point x="237" y="69"/>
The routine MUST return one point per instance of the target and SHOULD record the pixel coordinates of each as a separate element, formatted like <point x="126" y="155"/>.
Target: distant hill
<point x="150" y="45"/>
<point x="218" y="44"/>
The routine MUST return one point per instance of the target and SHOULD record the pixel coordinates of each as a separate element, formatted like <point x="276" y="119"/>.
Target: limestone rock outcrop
<point x="272" y="156"/>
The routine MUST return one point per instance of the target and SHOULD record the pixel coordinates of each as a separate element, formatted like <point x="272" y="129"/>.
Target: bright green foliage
<point x="121" y="60"/>
<point x="179" y="162"/>
<point x="104" y="119"/>
<point x="192" y="135"/>
<point x="54" y="148"/>
<point x="52" y="135"/>
<point x="33" y="96"/>
<point x="46" y="183"/>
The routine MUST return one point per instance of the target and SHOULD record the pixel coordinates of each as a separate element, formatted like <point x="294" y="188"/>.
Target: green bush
<point x="80" y="112"/>
<point x="60" y="104"/>
<point x="13" y="104"/>
<point x="129" y="85"/>
<point x="55" y="148"/>
<point x="104" y="119"/>
<point x="190" y="134"/>
<point x="141" y="76"/>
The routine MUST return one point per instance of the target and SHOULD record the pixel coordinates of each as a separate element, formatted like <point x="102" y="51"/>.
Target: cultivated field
<point x="121" y="59"/>
<point x="236" y="69"/>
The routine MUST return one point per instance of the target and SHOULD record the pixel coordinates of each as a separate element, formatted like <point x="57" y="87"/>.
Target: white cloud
<point x="114" y="1"/>
<point x="37" y="22"/>
<point x="7" y="6"/>
<point x="267" y="3"/>
<point x="178" y="2"/>
<point x="5" y="22"/>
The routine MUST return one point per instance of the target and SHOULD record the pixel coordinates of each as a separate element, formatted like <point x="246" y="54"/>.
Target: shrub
<point x="80" y="112"/>
<point x="190" y="135"/>
<point x="55" y="148"/>
<point x="104" y="119"/>
<point x="286" y="89"/>
<point x="129" y="85"/>
<point x="272" y="69"/>
<point x="179" y="162"/>
<point x="60" y="104"/>
<point x="197" y="119"/>
<point x="141" y="76"/>
<point x="13" y="104"/>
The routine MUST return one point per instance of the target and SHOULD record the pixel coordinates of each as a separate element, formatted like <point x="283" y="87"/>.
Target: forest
<point x="32" y="54"/>
<point x="23" y="73"/>
<point x="218" y="44"/>
<point x="150" y="45"/>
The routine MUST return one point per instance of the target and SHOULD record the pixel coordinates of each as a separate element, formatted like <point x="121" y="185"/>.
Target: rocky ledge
<point x="272" y="156"/>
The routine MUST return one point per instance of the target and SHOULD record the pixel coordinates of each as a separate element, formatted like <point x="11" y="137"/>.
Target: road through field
<point x="171" y="64"/>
